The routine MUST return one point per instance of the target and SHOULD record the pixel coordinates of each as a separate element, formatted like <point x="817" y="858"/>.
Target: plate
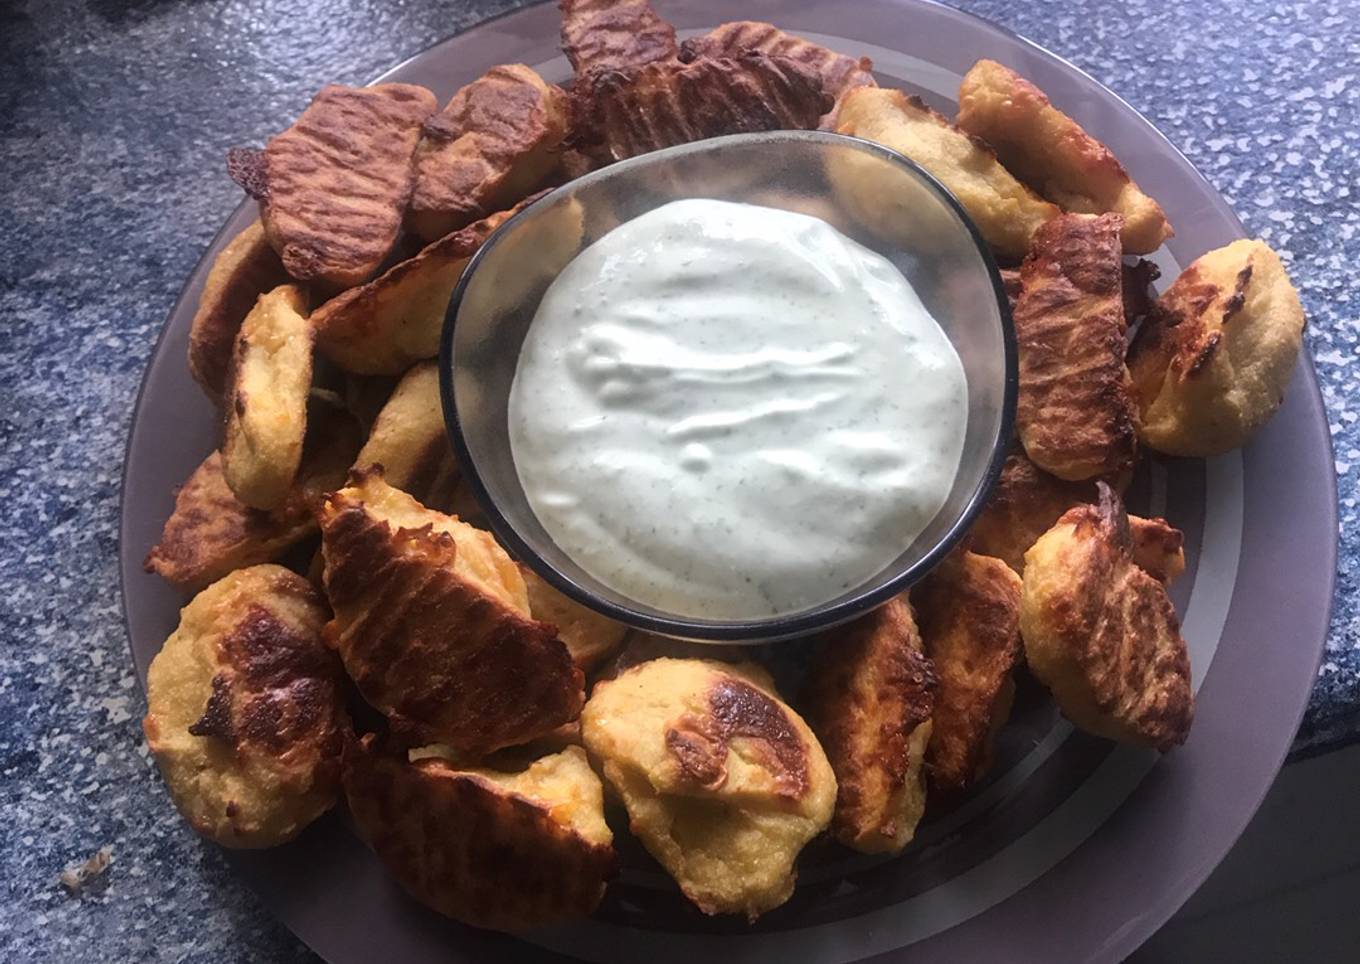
<point x="1073" y="850"/>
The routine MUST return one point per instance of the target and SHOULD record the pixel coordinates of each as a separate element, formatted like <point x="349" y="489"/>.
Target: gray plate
<point x="1074" y="850"/>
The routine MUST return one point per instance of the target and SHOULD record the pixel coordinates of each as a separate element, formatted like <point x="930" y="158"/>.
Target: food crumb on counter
<point x="76" y="878"/>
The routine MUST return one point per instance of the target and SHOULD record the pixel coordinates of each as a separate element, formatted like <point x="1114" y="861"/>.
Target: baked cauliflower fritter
<point x="589" y="637"/>
<point x="1157" y="548"/>
<point x="497" y="141"/>
<point x="432" y="623"/>
<point x="1075" y="412"/>
<point x="211" y="532"/>
<point x="1051" y="152"/>
<point x="242" y="271"/>
<point x="498" y="850"/>
<point x="872" y="692"/>
<point x="1027" y="502"/>
<point x="334" y="186"/>
<point x="1004" y="210"/>
<point x="1101" y="633"/>
<point x="1212" y="360"/>
<point x="526" y="262"/>
<point x="394" y="321"/>
<point x="968" y="611"/>
<point x="1138" y="293"/>
<point x="244" y="709"/>
<point x="723" y="783"/>
<point x="614" y="34"/>
<point x="267" y="402"/>
<point x="617" y="114"/>
<point x="1024" y="504"/>
<point x="409" y="441"/>
<point x="839" y="73"/>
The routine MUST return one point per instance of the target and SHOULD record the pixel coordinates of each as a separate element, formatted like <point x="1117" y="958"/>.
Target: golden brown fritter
<point x="1026" y="503"/>
<point x="211" y="532"/>
<point x="432" y="623"/>
<point x="242" y="271"/>
<point x="1101" y="633"/>
<point x="968" y="611"/>
<point x="1050" y="152"/>
<point x="394" y="321"/>
<point x="267" y="403"/>
<point x="1158" y="548"/>
<point x="498" y="850"/>
<point x="526" y="262"/>
<point x="409" y="440"/>
<point x="1004" y="210"/>
<point x="1075" y="413"/>
<point x="614" y="34"/>
<point x="622" y="113"/>
<point x="838" y="72"/>
<point x="1010" y="280"/>
<point x="1137" y="290"/>
<point x="871" y="695"/>
<point x="590" y="637"/>
<point x="496" y="141"/>
<point x="1023" y="506"/>
<point x="365" y="395"/>
<point x="244" y="709"/>
<point x="1211" y="362"/>
<point x="724" y="784"/>
<point x="334" y="186"/>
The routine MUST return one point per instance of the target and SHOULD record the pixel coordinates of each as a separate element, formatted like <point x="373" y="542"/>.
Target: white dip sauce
<point x="730" y="411"/>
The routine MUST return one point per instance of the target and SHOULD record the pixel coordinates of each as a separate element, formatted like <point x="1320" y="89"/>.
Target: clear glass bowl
<point x="872" y="194"/>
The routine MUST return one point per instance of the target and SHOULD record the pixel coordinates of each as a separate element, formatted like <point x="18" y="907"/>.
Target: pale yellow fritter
<point x="1101" y="633"/>
<point x="497" y="140"/>
<point x="242" y="271"/>
<point x="724" y="784"/>
<point x="244" y="709"/>
<point x="1213" y="359"/>
<point x="267" y="402"/>
<point x="589" y="637"/>
<point x="1004" y="210"/>
<point x="432" y="623"/>
<point x="394" y="321"/>
<point x="1051" y="152"/>
<point x="871" y="695"/>
<point x="499" y="850"/>
<point x="968" y="610"/>
<point x="410" y="441"/>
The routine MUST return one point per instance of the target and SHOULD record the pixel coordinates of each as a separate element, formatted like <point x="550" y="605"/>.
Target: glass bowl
<point x="868" y="192"/>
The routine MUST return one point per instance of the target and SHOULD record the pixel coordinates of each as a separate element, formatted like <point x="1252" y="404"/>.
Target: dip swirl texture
<point x="728" y="411"/>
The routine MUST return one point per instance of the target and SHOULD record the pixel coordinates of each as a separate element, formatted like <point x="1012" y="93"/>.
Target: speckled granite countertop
<point x="113" y="119"/>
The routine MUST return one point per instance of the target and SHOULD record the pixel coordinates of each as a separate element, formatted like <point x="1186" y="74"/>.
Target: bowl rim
<point x="757" y="630"/>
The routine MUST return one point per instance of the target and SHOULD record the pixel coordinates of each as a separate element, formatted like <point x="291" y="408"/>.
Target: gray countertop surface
<point x="114" y="117"/>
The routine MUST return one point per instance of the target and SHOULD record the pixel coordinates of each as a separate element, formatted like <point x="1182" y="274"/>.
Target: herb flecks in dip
<point x="730" y="411"/>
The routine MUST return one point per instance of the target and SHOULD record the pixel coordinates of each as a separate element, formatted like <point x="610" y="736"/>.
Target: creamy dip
<point x="730" y="411"/>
